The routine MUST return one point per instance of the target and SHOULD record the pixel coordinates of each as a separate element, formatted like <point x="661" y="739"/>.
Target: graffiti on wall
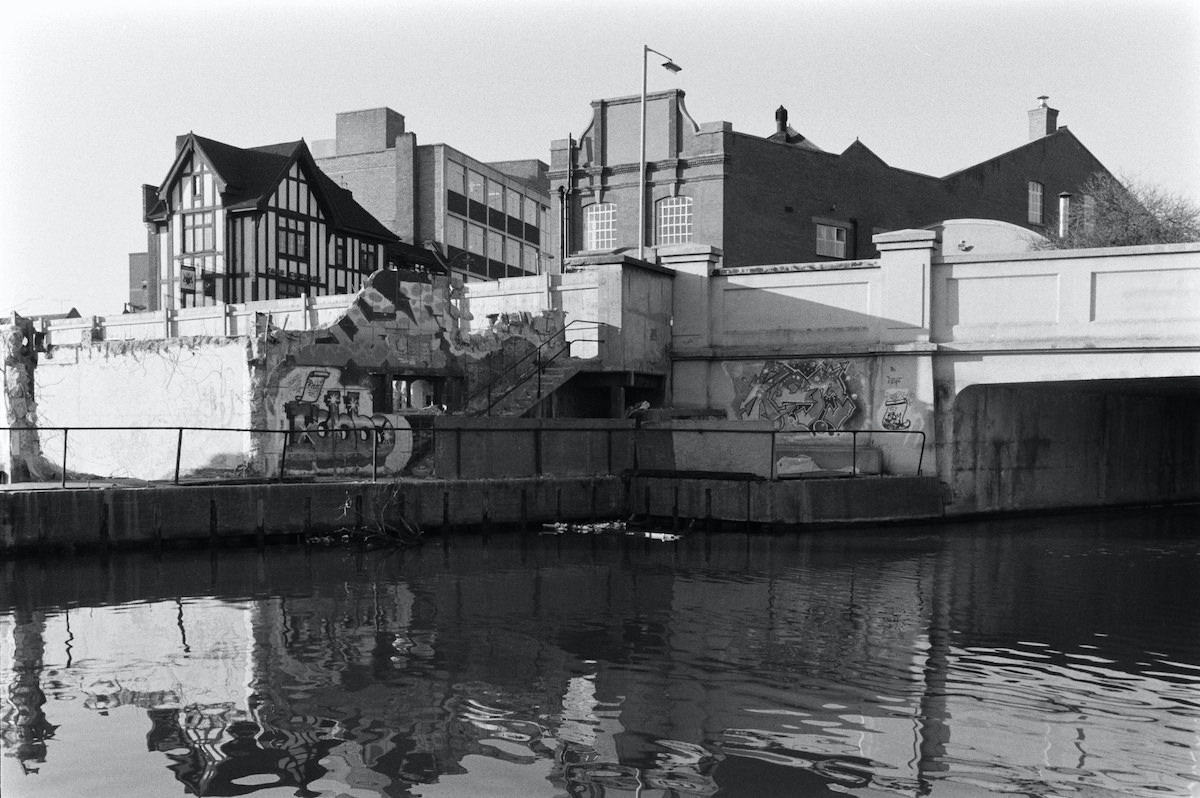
<point x="804" y="395"/>
<point x="391" y="320"/>
<point x="895" y="408"/>
<point x="328" y="427"/>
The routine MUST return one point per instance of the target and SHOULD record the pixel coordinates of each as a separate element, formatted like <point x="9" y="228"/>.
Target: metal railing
<point x="423" y="457"/>
<point x="376" y="436"/>
<point x="853" y="433"/>
<point x="539" y="365"/>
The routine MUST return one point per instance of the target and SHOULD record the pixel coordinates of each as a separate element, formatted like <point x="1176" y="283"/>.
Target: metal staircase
<point x="524" y="384"/>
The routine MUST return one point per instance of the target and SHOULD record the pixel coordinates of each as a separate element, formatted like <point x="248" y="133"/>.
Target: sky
<point x="93" y="95"/>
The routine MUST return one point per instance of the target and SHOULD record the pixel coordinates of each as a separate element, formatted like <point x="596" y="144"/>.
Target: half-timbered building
<point x="235" y="225"/>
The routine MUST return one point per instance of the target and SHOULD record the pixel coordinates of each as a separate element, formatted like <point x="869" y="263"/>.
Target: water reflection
<point x="1050" y="657"/>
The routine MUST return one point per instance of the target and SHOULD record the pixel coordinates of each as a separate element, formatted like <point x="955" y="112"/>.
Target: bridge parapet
<point x="1060" y="299"/>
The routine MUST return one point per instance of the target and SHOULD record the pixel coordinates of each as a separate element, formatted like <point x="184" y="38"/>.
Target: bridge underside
<point x="1074" y="444"/>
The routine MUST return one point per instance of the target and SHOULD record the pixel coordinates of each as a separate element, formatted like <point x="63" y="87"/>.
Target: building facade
<point x="781" y="198"/>
<point x="484" y="221"/>
<point x="230" y="225"/>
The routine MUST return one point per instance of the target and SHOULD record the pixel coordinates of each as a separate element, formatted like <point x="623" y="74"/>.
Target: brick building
<point x="484" y="220"/>
<point x="781" y="198"/>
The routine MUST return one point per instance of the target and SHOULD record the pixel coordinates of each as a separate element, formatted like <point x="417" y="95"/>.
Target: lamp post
<point x="673" y="67"/>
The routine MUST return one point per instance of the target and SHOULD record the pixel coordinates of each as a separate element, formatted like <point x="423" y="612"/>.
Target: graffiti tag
<point x="801" y="395"/>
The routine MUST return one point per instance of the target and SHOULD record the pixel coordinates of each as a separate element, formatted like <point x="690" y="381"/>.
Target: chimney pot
<point x="781" y="120"/>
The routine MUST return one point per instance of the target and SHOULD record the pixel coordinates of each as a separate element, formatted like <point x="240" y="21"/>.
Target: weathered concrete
<point x="788" y="502"/>
<point x="495" y="448"/>
<point x="217" y="515"/>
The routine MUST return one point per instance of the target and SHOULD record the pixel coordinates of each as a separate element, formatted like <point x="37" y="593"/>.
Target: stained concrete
<point x="217" y="515"/>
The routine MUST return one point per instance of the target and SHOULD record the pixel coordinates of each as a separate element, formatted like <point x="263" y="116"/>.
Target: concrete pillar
<point x="691" y="310"/>
<point x="691" y="319"/>
<point x="905" y="258"/>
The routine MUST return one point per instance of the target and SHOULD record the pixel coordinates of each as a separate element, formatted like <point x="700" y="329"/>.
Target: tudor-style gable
<point x="229" y="224"/>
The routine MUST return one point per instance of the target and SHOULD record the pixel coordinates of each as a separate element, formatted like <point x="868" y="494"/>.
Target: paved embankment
<point x="118" y="517"/>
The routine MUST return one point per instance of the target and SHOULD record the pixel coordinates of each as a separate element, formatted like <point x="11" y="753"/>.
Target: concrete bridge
<point x="1040" y="378"/>
<point x="1044" y="379"/>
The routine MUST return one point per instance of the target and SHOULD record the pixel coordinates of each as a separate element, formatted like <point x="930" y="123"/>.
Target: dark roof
<point x="1061" y="135"/>
<point x="251" y="175"/>
<point x="790" y="136"/>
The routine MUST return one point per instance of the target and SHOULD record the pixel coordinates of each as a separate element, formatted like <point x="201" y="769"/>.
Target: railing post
<point x="283" y="455"/>
<point x="64" y="468"/>
<point x="374" y="455"/>
<point x="854" y="453"/>
<point x="771" y="466"/>
<point x="178" y="453"/>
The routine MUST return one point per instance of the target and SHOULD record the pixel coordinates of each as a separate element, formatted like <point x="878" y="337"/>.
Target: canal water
<point x="1048" y="656"/>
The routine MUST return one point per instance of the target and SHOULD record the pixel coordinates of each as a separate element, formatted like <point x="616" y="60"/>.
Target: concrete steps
<point x="529" y="392"/>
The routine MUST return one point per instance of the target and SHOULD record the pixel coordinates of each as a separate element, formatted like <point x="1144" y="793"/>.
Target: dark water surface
<point x="1055" y="656"/>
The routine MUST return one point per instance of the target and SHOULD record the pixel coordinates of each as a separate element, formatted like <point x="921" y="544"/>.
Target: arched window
<point x="600" y="226"/>
<point x="1035" y="202"/>
<point x="673" y="220"/>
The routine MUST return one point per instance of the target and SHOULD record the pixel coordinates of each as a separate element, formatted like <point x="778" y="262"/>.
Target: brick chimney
<point x="1043" y="120"/>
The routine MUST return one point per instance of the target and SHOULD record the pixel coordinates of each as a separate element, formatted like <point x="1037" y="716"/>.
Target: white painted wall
<point x="194" y="382"/>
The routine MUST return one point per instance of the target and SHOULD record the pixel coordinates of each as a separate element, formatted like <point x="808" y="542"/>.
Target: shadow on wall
<point x="1076" y="444"/>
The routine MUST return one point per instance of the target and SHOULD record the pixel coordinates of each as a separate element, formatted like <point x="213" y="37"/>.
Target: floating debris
<point x="607" y="527"/>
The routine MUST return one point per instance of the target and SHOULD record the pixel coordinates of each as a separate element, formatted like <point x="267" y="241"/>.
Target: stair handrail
<point x="539" y="367"/>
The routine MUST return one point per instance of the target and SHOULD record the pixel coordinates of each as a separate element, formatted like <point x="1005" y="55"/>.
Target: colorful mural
<point x="799" y="395"/>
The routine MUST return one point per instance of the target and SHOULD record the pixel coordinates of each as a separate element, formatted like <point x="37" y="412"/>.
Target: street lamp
<point x="673" y="67"/>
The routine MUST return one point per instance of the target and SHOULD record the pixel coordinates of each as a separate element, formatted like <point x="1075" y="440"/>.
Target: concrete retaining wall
<point x="788" y="502"/>
<point x="71" y="519"/>
<point x="492" y="448"/>
<point x="218" y="515"/>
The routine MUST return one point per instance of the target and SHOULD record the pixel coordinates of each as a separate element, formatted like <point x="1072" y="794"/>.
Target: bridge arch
<point x="1045" y="443"/>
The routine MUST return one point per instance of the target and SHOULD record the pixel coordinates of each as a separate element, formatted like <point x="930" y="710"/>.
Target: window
<point x="600" y="226"/>
<point x="495" y="193"/>
<point x="495" y="246"/>
<point x="456" y="233"/>
<point x="475" y="185"/>
<point x="532" y="260"/>
<point x="512" y="257"/>
<point x="513" y="202"/>
<point x="292" y="239"/>
<point x="456" y="178"/>
<point x="475" y="239"/>
<point x="198" y="232"/>
<point x="339" y="251"/>
<point x="831" y="241"/>
<point x="285" y="290"/>
<point x="194" y="189"/>
<point x="368" y="257"/>
<point x="674" y="220"/>
<point x="1035" y="202"/>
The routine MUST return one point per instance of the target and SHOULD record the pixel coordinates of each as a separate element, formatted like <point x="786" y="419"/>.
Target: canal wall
<point x="217" y="515"/>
